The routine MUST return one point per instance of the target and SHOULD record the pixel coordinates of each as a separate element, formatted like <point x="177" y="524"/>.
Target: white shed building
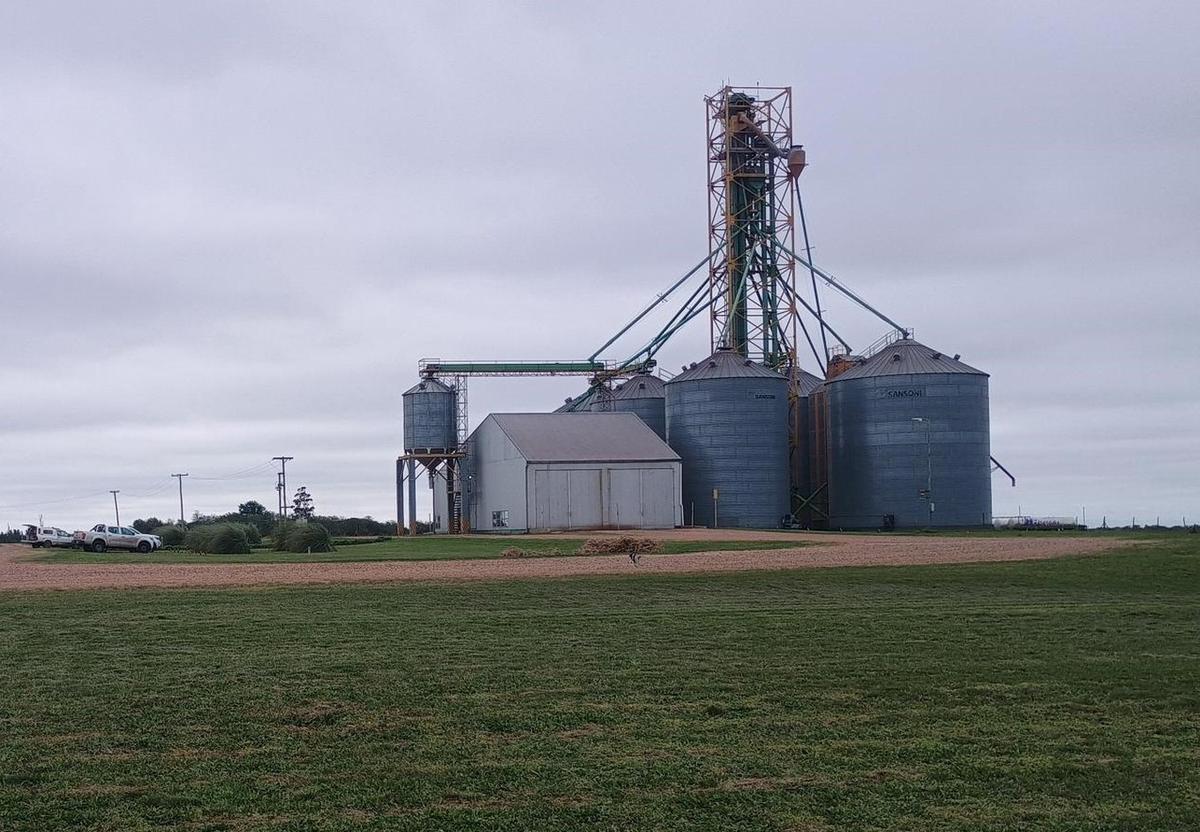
<point x="558" y="471"/>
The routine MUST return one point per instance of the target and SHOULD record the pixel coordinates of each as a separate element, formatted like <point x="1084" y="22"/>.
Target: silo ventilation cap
<point x="895" y="356"/>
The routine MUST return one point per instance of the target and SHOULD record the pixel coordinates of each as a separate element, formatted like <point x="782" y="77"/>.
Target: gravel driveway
<point x="17" y="572"/>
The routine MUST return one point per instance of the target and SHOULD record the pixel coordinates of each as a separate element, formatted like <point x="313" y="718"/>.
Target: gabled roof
<point x="907" y="357"/>
<point x="725" y="363"/>
<point x="583" y="437"/>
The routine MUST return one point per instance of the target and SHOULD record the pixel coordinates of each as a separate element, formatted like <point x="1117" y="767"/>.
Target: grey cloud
<point x="260" y="217"/>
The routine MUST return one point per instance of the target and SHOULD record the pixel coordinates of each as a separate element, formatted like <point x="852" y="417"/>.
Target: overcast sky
<point x="229" y="231"/>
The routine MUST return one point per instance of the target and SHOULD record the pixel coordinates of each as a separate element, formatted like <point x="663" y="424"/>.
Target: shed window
<point x="500" y="519"/>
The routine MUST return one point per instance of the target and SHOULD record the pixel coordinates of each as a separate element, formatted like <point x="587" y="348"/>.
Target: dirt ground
<point x="17" y="572"/>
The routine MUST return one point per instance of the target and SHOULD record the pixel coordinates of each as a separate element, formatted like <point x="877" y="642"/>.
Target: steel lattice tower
<point x="751" y="205"/>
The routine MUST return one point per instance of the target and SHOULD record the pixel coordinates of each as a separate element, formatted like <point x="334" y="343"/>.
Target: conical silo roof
<point x="641" y="386"/>
<point x="428" y="385"/>
<point x="907" y="357"/>
<point x="575" y="404"/>
<point x="724" y="363"/>
<point x="809" y="383"/>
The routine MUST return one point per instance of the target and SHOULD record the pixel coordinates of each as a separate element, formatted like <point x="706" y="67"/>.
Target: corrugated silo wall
<point x="429" y="420"/>
<point x="731" y="434"/>
<point x="878" y="456"/>
<point x="798" y="428"/>
<point x="652" y="411"/>
<point x="816" y="514"/>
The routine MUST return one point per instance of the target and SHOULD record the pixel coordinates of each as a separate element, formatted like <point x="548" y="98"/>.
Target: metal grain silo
<point x="646" y="396"/>
<point x="429" y="424"/>
<point x="727" y="420"/>
<point x="906" y="424"/>
<point x="602" y="397"/>
<point x="575" y="404"/>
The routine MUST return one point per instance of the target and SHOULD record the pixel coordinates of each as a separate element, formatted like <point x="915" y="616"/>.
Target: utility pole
<point x="116" y="508"/>
<point x="283" y="461"/>
<point x="180" y="478"/>
<point x="279" y="495"/>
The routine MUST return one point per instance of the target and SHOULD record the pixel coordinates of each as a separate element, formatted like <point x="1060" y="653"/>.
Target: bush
<point x="517" y="552"/>
<point x="291" y="536"/>
<point x="171" y="535"/>
<point x="358" y="541"/>
<point x="218" y="539"/>
<point x="623" y="545"/>
<point x="253" y="536"/>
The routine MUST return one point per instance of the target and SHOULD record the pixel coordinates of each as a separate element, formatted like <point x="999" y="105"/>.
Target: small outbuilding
<point x="565" y="471"/>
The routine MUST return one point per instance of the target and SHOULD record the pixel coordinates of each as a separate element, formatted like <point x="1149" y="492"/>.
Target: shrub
<point x="517" y="552"/>
<point x="253" y="536"/>
<point x="291" y="536"/>
<point x="171" y="535"/>
<point x="218" y="539"/>
<point x="358" y="541"/>
<point x="623" y="545"/>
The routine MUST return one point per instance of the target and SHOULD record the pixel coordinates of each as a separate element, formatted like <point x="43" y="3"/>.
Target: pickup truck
<point x="100" y="537"/>
<point x="47" y="536"/>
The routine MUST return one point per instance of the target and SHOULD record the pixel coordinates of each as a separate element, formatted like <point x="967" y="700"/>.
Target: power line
<point x="56" y="501"/>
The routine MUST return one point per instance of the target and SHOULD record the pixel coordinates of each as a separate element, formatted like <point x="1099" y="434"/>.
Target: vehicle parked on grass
<point x="47" y="536"/>
<point x="101" y="537"/>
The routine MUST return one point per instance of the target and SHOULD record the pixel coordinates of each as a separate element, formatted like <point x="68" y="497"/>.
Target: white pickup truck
<point x="100" y="537"/>
<point x="47" y="536"/>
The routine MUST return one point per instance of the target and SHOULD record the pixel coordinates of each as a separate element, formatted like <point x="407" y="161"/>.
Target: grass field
<point x="439" y="547"/>
<point x="1049" y="695"/>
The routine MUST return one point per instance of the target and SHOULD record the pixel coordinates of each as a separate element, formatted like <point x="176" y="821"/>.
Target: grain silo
<point x="646" y="396"/>
<point x="602" y="398"/>
<point x="908" y="441"/>
<point x="727" y="420"/>
<point x="429" y="424"/>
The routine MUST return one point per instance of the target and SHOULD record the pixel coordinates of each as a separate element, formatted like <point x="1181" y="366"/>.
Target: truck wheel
<point x="144" y="546"/>
<point x="98" y="546"/>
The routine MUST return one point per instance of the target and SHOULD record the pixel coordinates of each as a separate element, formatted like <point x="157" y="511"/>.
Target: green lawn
<point x="1051" y="695"/>
<point x="432" y="547"/>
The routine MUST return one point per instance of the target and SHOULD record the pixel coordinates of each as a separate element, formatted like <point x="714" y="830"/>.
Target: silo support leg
<point x="412" y="497"/>
<point x="399" y="497"/>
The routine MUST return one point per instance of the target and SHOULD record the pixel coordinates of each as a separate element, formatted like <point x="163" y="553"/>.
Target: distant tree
<point x="148" y="525"/>
<point x="252" y="507"/>
<point x="356" y="526"/>
<point x="302" y="504"/>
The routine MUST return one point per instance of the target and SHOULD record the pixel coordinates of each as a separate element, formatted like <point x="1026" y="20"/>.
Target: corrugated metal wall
<point x="878" y="456"/>
<point x="732" y="434"/>
<point x="429" y="417"/>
